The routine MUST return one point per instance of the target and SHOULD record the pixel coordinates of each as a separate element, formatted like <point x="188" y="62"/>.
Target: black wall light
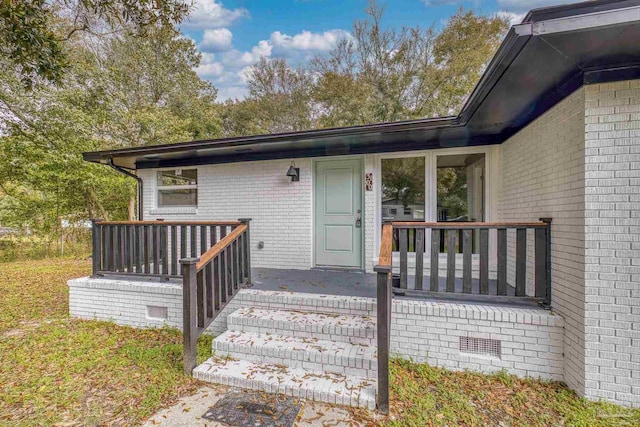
<point x="294" y="172"/>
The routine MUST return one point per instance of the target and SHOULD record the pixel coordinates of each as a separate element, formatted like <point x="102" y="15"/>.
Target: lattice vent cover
<point x="481" y="346"/>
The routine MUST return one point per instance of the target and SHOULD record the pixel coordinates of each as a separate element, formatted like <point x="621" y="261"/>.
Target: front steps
<point x="312" y="355"/>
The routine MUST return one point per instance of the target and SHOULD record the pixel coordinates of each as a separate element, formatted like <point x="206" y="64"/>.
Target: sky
<point x="232" y="35"/>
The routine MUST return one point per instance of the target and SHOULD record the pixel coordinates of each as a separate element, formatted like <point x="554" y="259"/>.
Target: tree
<point x="283" y="94"/>
<point x="120" y="91"/>
<point x="383" y="75"/>
<point x="35" y="33"/>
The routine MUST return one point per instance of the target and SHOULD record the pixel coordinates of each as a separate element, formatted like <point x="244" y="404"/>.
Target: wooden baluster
<point x="451" y="260"/>
<point x="419" y="248"/>
<point x="466" y="261"/>
<point x="484" y="261"/>
<point x="203" y="240"/>
<point x="502" y="261"/>
<point x="122" y="247"/>
<point x="232" y="265"/>
<point x="147" y="248"/>
<point x="130" y="247"/>
<point x="164" y="247"/>
<point x="404" y="241"/>
<point x="183" y="241"/>
<point x="137" y="229"/>
<point x="156" y="249"/>
<point x="174" y="250"/>
<point x="200" y="298"/>
<point x="435" y="259"/>
<point x="228" y="270"/>
<point x="215" y="280"/>
<point x="521" y="262"/>
<point x="193" y="235"/>
<point x="222" y="277"/>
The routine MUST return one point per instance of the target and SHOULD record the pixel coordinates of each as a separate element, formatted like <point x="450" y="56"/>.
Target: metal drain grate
<point x="481" y="346"/>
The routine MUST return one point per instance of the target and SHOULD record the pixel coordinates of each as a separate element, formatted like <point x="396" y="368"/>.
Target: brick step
<point x="323" y="326"/>
<point x="296" y="382"/>
<point x="311" y="354"/>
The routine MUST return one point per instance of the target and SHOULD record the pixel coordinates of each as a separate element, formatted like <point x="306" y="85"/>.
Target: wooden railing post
<point x="247" y="249"/>
<point x="383" y="306"/>
<point x="96" y="246"/>
<point x="383" y="314"/>
<point x="189" y="313"/>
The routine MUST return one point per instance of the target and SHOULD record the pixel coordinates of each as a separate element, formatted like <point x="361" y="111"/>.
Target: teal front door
<point x="338" y="213"/>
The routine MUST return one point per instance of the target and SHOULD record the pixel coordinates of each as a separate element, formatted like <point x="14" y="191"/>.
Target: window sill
<point x="174" y="211"/>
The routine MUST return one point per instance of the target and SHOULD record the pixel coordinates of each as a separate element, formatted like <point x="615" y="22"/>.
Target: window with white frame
<point x="177" y="187"/>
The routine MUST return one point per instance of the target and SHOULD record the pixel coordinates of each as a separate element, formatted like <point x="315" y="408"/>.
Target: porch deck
<point x="360" y="284"/>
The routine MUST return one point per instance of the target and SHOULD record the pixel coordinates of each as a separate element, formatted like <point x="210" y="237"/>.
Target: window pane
<point x="178" y="177"/>
<point x="187" y="197"/>
<point x="403" y="184"/>
<point x="461" y="187"/>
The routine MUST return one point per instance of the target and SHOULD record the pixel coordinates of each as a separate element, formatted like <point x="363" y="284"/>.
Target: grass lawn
<point x="72" y="372"/>
<point x="426" y="396"/>
<point x="54" y="370"/>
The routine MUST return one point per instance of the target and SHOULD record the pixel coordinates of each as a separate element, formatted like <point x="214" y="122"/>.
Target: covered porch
<point x="198" y="275"/>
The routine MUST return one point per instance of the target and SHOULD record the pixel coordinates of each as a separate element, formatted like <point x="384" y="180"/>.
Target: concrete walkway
<point x="190" y="412"/>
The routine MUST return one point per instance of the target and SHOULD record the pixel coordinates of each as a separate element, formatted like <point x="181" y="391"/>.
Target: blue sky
<point x="233" y="34"/>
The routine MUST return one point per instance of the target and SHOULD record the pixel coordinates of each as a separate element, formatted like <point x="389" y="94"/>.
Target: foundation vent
<point x="157" y="313"/>
<point x="480" y="346"/>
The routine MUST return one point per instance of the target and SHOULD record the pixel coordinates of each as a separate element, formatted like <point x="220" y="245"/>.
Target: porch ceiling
<point x="552" y="53"/>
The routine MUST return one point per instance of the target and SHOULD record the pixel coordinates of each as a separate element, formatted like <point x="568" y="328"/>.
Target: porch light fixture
<point x="294" y="172"/>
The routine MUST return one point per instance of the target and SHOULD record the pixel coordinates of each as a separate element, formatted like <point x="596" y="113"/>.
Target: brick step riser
<point x="334" y="363"/>
<point x="289" y="388"/>
<point x="346" y="335"/>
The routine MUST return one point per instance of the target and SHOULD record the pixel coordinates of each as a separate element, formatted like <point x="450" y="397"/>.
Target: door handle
<point x="358" y="222"/>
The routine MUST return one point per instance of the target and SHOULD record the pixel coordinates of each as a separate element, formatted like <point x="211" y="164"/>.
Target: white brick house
<point x="551" y="131"/>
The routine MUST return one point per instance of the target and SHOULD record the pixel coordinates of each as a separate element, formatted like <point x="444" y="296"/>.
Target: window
<point x="461" y="187"/>
<point x="403" y="184"/>
<point x="460" y="182"/>
<point x="178" y="187"/>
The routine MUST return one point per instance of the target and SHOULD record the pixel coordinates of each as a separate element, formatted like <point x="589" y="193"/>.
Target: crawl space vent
<point x="157" y="313"/>
<point x="480" y="346"/>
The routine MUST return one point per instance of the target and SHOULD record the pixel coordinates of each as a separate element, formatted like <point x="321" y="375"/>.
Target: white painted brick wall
<point x="542" y="175"/>
<point x="369" y="216"/>
<point x="612" y="247"/>
<point x="531" y="339"/>
<point x="281" y="210"/>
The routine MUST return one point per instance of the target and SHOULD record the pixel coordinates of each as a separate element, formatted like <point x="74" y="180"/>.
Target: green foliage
<point x="378" y="75"/>
<point x="35" y="35"/>
<point x="120" y="91"/>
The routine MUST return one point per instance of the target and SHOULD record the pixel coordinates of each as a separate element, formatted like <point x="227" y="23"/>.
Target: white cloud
<point x="228" y="69"/>
<point x="209" y="68"/>
<point x="212" y="14"/>
<point x="217" y="40"/>
<point x="307" y="41"/>
<point x="523" y="6"/>
<point x="232" y="92"/>
<point x="513" y="18"/>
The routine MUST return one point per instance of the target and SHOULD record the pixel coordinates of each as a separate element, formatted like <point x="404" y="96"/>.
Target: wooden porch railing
<point x="210" y="282"/>
<point x="460" y="235"/>
<point x="403" y="235"/>
<point x="211" y="258"/>
<point x="152" y="248"/>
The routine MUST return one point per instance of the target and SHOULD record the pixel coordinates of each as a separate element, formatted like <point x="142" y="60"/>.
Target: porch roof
<point x="542" y="60"/>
